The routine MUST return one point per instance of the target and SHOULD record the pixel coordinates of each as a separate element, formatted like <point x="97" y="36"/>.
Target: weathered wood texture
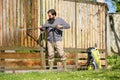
<point x="87" y="22"/>
<point x="25" y="61"/>
<point x="14" y="16"/>
<point x="20" y="61"/>
<point x="115" y="33"/>
<point x="80" y="59"/>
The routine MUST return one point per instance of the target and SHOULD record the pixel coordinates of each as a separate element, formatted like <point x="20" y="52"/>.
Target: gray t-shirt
<point x="55" y="34"/>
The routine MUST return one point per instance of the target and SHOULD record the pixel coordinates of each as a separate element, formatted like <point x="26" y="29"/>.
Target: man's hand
<point x="59" y="26"/>
<point x="40" y="26"/>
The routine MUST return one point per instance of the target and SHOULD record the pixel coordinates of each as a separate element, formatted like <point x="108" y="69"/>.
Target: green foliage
<point x="114" y="61"/>
<point x="118" y="6"/>
<point x="70" y="75"/>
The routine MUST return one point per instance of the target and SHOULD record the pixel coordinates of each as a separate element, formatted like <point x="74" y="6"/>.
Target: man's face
<point x="50" y="15"/>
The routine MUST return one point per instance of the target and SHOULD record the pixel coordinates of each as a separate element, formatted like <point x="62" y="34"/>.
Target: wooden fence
<point x="15" y="17"/>
<point x="115" y="33"/>
<point x="87" y="21"/>
<point x="32" y="61"/>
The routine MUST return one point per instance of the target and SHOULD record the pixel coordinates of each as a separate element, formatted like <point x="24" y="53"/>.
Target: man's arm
<point x="64" y="24"/>
<point x="43" y="27"/>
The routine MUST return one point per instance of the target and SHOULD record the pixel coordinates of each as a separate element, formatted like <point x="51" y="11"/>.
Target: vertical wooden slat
<point x="103" y="28"/>
<point x="82" y="27"/>
<point x="98" y="26"/>
<point x="39" y="13"/>
<point x="88" y="24"/>
<point x="86" y="31"/>
<point x="27" y="24"/>
<point x="11" y="24"/>
<point x="18" y="22"/>
<point x="33" y="19"/>
<point x="73" y="24"/>
<point x="17" y="31"/>
<point x="3" y="26"/>
<point x="25" y="6"/>
<point x="95" y="25"/>
<point x="6" y="22"/>
<point x="21" y="22"/>
<point x="100" y="32"/>
<point x="65" y="18"/>
<point x="36" y="25"/>
<point x="1" y="5"/>
<point x="14" y="16"/>
<point x="92" y="26"/>
<point x="79" y="25"/>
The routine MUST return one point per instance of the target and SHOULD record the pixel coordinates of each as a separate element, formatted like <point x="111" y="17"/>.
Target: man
<point x="54" y="27"/>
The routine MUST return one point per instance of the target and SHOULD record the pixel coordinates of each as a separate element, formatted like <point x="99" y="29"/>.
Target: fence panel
<point x="115" y="33"/>
<point x="15" y="17"/>
<point x="87" y="22"/>
<point x="90" y="25"/>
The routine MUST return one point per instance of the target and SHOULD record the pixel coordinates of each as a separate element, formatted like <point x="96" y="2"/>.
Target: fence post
<point x="1" y="59"/>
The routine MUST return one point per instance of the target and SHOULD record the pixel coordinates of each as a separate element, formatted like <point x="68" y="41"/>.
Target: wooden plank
<point x="73" y="21"/>
<point x="36" y="35"/>
<point x="96" y="28"/>
<point x="93" y="26"/>
<point x="88" y="31"/>
<point x="22" y="23"/>
<point x="84" y="56"/>
<point x="14" y="22"/>
<point x="84" y="62"/>
<point x="3" y="25"/>
<point x="1" y="13"/>
<point x="17" y="26"/>
<point x="20" y="63"/>
<point x="71" y="55"/>
<point x="104" y="27"/>
<point x="86" y="26"/>
<point x="18" y="22"/>
<point x="20" y="55"/>
<point x="11" y="41"/>
<point x="8" y="22"/>
<point x="68" y="62"/>
<point x="33" y="20"/>
<point x="79" y="24"/>
<point x="100" y="30"/>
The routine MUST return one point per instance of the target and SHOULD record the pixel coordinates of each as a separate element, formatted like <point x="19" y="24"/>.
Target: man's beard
<point x="51" y="20"/>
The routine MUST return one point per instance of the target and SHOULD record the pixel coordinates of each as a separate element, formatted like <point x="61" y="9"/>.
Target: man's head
<point x="51" y="13"/>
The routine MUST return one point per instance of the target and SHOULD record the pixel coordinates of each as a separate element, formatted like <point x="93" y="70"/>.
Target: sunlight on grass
<point x="70" y="75"/>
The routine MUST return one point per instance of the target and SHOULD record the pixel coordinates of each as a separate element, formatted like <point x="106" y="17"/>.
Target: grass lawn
<point x="70" y="75"/>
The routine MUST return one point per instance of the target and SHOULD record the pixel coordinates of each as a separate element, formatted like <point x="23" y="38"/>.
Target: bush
<point x="114" y="61"/>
